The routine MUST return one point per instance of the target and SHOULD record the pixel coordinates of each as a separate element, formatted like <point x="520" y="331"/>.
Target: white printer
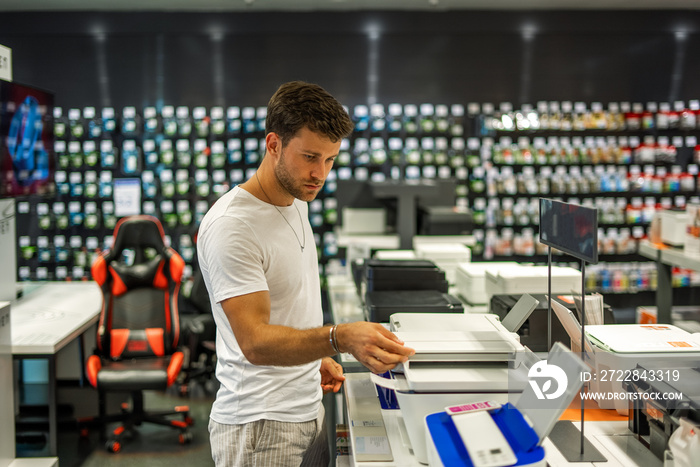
<point x="459" y="358"/>
<point x="613" y="351"/>
<point x="470" y="279"/>
<point x="531" y="279"/>
<point x="486" y="434"/>
<point x="447" y="256"/>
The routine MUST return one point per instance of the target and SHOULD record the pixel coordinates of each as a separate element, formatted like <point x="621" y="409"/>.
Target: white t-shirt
<point x="244" y="246"/>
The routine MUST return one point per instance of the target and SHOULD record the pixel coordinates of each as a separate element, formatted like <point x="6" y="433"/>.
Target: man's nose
<point x="318" y="170"/>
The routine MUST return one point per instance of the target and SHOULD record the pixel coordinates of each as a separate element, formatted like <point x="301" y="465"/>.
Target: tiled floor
<point x="152" y="446"/>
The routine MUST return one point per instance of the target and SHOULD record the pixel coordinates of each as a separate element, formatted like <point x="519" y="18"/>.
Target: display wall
<point x="488" y="64"/>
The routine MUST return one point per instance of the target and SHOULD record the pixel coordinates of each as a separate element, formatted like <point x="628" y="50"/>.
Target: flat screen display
<point x="27" y="161"/>
<point x="570" y="228"/>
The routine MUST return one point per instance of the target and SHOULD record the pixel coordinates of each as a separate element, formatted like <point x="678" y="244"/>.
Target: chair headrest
<point x="138" y="233"/>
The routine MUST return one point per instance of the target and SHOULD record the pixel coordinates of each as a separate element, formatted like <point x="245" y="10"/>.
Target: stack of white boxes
<point x="447" y="256"/>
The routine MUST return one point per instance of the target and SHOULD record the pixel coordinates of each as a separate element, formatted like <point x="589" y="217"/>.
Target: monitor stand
<point x="406" y="193"/>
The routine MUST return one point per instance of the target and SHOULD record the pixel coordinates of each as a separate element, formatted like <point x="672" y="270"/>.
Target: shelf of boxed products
<point x="218" y="123"/>
<point x="629" y="181"/>
<point x="491" y="243"/>
<point x="520" y="213"/>
<point x="186" y="157"/>
<point x="635" y="277"/>
<point x="567" y="116"/>
<point x="409" y="119"/>
<point x="167" y="122"/>
<point x="578" y="150"/>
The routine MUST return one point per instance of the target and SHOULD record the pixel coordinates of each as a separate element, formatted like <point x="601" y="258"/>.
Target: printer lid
<point x="422" y="322"/>
<point x="459" y="346"/>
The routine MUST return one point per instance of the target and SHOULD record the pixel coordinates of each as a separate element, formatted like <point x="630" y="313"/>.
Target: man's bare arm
<point x="265" y="344"/>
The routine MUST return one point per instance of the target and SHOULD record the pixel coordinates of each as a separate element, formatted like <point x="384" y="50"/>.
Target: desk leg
<point x="81" y="355"/>
<point x="53" y="418"/>
<point x="664" y="293"/>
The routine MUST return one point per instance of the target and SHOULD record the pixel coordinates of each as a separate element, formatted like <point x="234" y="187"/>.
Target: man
<point x="258" y="258"/>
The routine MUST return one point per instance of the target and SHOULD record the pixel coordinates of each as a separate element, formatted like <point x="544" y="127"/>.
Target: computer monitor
<point x="443" y="196"/>
<point x="27" y="161"/>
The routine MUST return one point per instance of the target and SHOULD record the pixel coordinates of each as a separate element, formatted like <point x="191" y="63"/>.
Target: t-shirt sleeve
<point x="231" y="258"/>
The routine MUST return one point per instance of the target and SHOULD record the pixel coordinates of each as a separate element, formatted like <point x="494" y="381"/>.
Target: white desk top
<point x="35" y="462"/>
<point x="53" y="314"/>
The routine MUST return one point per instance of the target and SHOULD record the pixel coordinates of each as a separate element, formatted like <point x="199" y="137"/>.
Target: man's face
<point x="304" y="164"/>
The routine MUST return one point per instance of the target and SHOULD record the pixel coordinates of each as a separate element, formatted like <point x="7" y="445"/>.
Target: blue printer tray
<point x="520" y="435"/>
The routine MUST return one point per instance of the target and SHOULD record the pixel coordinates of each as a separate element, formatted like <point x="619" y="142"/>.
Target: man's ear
<point x="273" y="145"/>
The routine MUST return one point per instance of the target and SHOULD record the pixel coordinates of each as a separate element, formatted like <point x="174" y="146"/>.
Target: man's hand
<point x="331" y="375"/>
<point x="373" y="345"/>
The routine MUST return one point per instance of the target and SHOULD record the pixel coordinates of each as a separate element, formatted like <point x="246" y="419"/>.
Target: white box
<point x="395" y="254"/>
<point x="673" y="227"/>
<point x="532" y="280"/>
<point x="444" y="252"/>
<point x="364" y="221"/>
<point x="470" y="279"/>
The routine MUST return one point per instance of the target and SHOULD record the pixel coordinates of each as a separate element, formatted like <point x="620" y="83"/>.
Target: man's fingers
<point x="394" y="347"/>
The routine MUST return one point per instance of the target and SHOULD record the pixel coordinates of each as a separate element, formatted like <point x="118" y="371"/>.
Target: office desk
<point x="45" y="320"/>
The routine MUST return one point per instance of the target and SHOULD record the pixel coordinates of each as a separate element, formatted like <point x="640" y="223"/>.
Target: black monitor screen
<point x="570" y="228"/>
<point x="27" y="161"/>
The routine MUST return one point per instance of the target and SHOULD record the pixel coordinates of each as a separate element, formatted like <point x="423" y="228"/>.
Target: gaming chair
<point x="138" y="329"/>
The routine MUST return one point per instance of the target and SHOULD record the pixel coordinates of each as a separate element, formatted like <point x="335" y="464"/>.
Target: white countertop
<point x="53" y="314"/>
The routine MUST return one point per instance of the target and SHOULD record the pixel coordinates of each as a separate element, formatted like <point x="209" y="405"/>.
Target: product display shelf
<point x="184" y="157"/>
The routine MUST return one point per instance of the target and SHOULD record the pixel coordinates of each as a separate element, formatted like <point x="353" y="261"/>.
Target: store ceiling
<point x="339" y="5"/>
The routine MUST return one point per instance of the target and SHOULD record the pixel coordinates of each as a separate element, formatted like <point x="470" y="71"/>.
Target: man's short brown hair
<point x="297" y="104"/>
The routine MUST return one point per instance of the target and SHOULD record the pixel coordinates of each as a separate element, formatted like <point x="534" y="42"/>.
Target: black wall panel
<point x="118" y="59"/>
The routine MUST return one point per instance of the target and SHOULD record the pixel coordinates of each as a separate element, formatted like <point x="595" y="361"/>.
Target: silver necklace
<point x="303" y="231"/>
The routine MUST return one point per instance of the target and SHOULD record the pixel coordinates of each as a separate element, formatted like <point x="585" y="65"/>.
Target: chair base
<point x="131" y="417"/>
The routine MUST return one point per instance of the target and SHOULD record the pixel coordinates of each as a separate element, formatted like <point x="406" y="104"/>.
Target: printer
<point x="488" y="433"/>
<point x="470" y="280"/>
<point x="459" y="358"/>
<point x="531" y="279"/>
<point x="613" y="351"/>
<point x="668" y="394"/>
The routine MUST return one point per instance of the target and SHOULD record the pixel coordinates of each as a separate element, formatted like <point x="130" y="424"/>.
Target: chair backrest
<point x="140" y="280"/>
<point x="198" y="296"/>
